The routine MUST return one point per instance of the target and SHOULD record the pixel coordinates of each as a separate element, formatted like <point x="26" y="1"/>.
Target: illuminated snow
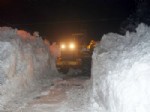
<point x="24" y="59"/>
<point x="121" y="72"/>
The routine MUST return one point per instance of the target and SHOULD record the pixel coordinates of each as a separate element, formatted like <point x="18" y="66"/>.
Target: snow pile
<point x="23" y="60"/>
<point x="55" y="52"/>
<point x="121" y="72"/>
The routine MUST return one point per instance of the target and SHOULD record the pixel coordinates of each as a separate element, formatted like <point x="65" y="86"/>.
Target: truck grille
<point x="69" y="55"/>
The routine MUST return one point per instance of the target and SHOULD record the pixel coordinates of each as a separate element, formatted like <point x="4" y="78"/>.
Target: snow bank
<point x="24" y="59"/>
<point x="121" y="72"/>
<point x="55" y="52"/>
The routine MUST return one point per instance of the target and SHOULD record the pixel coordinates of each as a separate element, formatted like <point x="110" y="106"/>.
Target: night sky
<point x="56" y="18"/>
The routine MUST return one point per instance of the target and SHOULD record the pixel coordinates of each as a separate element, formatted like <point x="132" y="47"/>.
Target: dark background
<point x="57" y="18"/>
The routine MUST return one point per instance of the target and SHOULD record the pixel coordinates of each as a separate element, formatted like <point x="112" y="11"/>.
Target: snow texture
<point x="24" y="58"/>
<point x="55" y="52"/>
<point x="121" y="72"/>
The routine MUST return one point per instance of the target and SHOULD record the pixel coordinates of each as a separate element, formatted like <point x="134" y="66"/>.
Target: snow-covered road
<point x="64" y="94"/>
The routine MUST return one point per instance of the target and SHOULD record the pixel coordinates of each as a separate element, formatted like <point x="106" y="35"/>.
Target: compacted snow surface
<point x="121" y="72"/>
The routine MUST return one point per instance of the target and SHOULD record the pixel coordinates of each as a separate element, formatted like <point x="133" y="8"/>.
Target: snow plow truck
<point x="75" y="53"/>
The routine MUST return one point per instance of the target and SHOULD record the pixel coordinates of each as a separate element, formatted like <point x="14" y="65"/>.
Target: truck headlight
<point x="72" y="46"/>
<point x="63" y="46"/>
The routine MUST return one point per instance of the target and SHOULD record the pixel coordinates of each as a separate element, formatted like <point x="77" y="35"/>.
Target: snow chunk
<point x="120" y="70"/>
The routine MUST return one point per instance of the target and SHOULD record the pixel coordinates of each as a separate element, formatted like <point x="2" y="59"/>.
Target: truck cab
<point x="73" y="52"/>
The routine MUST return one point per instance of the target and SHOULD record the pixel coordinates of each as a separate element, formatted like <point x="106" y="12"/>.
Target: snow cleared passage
<point x="65" y="95"/>
<point x="121" y="72"/>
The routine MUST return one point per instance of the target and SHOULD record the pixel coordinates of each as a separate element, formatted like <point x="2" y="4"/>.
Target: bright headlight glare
<point x="71" y="46"/>
<point x="63" y="46"/>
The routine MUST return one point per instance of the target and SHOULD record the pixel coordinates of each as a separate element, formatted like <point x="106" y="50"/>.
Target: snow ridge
<point x="24" y="58"/>
<point x="120" y="72"/>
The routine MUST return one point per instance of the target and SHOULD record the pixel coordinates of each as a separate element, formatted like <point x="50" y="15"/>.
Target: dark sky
<point x="56" y="18"/>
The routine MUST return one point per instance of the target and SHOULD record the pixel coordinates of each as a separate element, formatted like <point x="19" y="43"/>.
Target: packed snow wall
<point x="121" y="72"/>
<point x="24" y="59"/>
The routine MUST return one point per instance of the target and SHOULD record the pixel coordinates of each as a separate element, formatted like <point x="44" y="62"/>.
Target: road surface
<point x="62" y="94"/>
